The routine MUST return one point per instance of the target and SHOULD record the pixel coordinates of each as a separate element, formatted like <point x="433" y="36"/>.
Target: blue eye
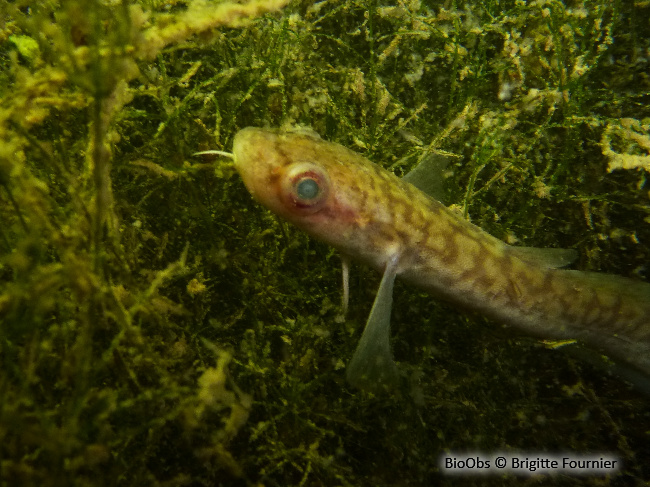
<point x="307" y="189"/>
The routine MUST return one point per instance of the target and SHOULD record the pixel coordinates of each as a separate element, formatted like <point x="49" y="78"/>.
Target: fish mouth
<point x="259" y="162"/>
<point x="251" y="152"/>
<point x="245" y="147"/>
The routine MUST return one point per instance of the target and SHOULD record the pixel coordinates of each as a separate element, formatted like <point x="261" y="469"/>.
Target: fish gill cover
<point x="157" y="327"/>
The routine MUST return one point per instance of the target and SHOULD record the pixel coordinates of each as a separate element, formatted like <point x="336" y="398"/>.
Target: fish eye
<point x="305" y="187"/>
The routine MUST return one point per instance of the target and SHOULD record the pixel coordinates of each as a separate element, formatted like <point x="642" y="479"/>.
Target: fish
<point x="370" y="215"/>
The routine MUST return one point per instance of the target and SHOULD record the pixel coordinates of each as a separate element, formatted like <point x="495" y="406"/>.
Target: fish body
<point x="369" y="214"/>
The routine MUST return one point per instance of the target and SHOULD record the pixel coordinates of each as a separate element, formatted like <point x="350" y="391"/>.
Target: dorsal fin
<point x="428" y="176"/>
<point x="547" y="258"/>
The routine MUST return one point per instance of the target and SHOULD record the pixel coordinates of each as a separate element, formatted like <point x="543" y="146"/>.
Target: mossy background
<point x="157" y="327"/>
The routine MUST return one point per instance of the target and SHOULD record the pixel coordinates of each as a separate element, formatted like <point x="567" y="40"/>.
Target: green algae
<point x="158" y="328"/>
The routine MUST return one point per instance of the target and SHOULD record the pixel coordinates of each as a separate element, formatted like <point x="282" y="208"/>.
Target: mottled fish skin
<point x="371" y="215"/>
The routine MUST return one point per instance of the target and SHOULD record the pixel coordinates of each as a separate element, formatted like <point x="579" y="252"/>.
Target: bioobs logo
<point x="470" y="462"/>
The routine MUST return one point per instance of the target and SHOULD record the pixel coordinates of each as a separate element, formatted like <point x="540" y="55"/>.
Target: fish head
<point x="301" y="178"/>
<point x="332" y="193"/>
<point x="282" y="171"/>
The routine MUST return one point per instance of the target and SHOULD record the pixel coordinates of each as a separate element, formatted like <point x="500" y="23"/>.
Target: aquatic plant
<point x="158" y="328"/>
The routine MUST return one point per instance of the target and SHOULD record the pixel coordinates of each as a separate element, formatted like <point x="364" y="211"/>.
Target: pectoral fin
<point x="372" y="366"/>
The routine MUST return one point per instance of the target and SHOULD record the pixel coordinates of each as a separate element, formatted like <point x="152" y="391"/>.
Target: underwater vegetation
<point x="158" y="327"/>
